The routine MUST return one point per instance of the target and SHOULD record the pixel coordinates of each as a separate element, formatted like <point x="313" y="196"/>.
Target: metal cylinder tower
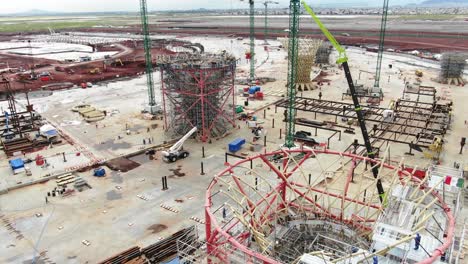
<point x="198" y="90"/>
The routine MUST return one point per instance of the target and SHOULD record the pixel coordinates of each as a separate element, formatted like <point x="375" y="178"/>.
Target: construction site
<point x="235" y="139"/>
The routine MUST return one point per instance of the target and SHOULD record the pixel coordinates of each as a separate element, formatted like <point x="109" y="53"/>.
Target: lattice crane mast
<point x="266" y="3"/>
<point x="343" y="60"/>
<point x="148" y="59"/>
<point x="383" y="27"/>
<point x="251" y="54"/>
<point x="293" y="48"/>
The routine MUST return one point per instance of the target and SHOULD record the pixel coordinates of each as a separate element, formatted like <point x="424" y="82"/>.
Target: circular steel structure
<point x="257" y="205"/>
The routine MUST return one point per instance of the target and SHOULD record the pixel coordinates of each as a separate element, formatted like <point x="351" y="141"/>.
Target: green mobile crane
<point x="343" y="60"/>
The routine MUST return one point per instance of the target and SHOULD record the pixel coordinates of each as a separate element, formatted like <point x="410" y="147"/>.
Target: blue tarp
<point x="51" y="133"/>
<point x="173" y="261"/>
<point x="254" y="89"/>
<point x="17" y="164"/>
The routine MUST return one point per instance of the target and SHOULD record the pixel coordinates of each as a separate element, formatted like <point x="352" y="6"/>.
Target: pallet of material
<point x="93" y="114"/>
<point x="66" y="182"/>
<point x="64" y="175"/>
<point x="67" y="178"/>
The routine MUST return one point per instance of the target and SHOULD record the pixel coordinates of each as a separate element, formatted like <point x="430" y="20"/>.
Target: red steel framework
<point x="223" y="240"/>
<point x="199" y="91"/>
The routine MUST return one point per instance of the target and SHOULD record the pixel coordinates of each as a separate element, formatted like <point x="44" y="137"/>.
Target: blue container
<point x="236" y="145"/>
<point x="254" y="89"/>
<point x="16" y="164"/>
<point x="99" y="172"/>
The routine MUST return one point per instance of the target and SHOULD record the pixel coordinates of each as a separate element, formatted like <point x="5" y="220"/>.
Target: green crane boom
<point x="383" y="27"/>
<point x="293" y="48"/>
<point x="252" y="40"/>
<point x="148" y="59"/>
<point x="343" y="60"/>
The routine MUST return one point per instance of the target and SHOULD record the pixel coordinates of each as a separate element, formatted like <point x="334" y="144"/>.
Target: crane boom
<point x="178" y="145"/>
<point x="343" y="60"/>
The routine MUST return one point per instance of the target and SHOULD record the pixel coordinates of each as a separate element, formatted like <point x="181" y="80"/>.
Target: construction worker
<point x="417" y="241"/>
<point x="375" y="260"/>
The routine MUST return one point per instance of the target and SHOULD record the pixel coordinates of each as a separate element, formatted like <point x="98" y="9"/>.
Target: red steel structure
<point x="243" y="207"/>
<point x="198" y="90"/>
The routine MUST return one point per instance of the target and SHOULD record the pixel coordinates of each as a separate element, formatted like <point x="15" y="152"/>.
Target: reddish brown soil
<point x="134" y="60"/>
<point x="77" y="73"/>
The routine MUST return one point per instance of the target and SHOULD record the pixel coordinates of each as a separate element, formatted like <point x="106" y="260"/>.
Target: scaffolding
<point x="452" y="66"/>
<point x="320" y="205"/>
<point x="306" y="59"/>
<point x="198" y="91"/>
<point x="323" y="54"/>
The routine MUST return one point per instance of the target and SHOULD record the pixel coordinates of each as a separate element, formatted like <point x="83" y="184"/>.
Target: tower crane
<point x="148" y="59"/>
<point x="293" y="50"/>
<point x="343" y="60"/>
<point x="33" y="74"/>
<point x="266" y="3"/>
<point x="252" y="39"/>
<point x="383" y="27"/>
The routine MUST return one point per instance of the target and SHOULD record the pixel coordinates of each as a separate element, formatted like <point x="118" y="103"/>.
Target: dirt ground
<point x="124" y="209"/>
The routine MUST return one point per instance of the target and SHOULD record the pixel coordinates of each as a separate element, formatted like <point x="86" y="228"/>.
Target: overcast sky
<point x="14" y="6"/>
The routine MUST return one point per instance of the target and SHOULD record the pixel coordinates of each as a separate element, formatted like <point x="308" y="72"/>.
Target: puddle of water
<point x="156" y="228"/>
<point x="110" y="144"/>
<point x="113" y="195"/>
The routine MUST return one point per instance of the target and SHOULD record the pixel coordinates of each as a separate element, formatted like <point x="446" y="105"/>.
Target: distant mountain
<point x="445" y="3"/>
<point x="35" y="12"/>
